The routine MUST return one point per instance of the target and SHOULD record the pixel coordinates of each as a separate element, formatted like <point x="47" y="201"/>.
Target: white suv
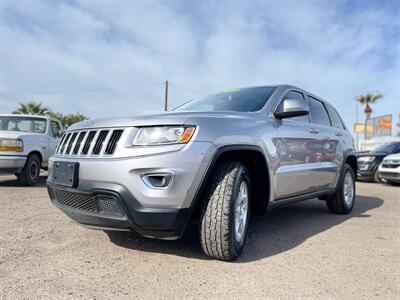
<point x="26" y="143"/>
<point x="389" y="170"/>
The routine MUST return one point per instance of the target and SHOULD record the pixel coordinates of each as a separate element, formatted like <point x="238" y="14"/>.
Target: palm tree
<point x="32" y="108"/>
<point x="368" y="99"/>
<point x="69" y="119"/>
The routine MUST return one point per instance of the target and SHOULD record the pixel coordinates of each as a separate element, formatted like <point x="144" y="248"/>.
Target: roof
<point x="22" y="115"/>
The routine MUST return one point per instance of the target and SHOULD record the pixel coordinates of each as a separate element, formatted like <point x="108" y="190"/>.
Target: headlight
<point x="164" y="135"/>
<point x="366" y="158"/>
<point x="11" y="145"/>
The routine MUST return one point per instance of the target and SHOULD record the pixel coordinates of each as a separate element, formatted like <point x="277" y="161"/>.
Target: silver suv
<point x="214" y="160"/>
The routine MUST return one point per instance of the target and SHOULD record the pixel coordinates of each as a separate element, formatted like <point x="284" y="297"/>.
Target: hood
<point x="7" y="134"/>
<point x="371" y="153"/>
<point x="162" y="118"/>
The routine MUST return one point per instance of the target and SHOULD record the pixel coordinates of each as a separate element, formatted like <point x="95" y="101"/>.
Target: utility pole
<point x="166" y="96"/>
<point x="357" y="140"/>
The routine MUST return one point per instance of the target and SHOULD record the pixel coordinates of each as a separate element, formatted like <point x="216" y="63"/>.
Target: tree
<point x="68" y="119"/>
<point x="366" y="100"/>
<point x="32" y="108"/>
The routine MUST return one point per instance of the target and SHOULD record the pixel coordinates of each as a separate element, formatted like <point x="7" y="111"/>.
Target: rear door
<point x="322" y="146"/>
<point x="340" y="133"/>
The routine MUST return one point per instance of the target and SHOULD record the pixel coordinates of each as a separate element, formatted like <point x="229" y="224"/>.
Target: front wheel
<point x="342" y="201"/>
<point x="226" y="212"/>
<point x="30" y="173"/>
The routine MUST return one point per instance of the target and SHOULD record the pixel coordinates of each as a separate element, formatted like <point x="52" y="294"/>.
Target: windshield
<point x="24" y="124"/>
<point x="247" y="99"/>
<point x="387" y="148"/>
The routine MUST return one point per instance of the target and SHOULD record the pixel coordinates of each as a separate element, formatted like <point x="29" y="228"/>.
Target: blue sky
<point x="110" y="58"/>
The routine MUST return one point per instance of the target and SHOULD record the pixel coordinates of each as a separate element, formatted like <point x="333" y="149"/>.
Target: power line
<point x="79" y="91"/>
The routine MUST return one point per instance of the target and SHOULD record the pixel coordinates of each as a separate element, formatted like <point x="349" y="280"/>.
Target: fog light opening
<point x="158" y="181"/>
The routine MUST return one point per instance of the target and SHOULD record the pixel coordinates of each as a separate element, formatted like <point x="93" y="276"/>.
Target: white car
<point x="389" y="170"/>
<point x="26" y="143"/>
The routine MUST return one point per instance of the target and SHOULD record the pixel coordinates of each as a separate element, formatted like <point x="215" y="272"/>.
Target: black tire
<point x="30" y="174"/>
<point x="217" y="221"/>
<point x="376" y="176"/>
<point x="336" y="202"/>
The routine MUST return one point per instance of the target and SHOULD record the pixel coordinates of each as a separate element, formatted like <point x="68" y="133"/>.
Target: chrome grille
<point x="89" y="142"/>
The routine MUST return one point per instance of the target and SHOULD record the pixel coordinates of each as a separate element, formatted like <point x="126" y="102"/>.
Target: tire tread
<point x="215" y="235"/>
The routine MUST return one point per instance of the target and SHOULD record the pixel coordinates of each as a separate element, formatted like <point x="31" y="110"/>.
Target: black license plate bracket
<point x="66" y="173"/>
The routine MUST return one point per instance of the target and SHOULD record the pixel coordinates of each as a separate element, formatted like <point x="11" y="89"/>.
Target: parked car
<point x="389" y="170"/>
<point x="26" y="143"/>
<point x="368" y="162"/>
<point x="213" y="160"/>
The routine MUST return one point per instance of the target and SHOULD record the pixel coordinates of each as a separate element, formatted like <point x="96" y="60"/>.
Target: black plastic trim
<point x="161" y="223"/>
<point x="211" y="165"/>
<point x="302" y="197"/>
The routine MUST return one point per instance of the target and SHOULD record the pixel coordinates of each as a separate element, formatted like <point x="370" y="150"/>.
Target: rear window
<point x="335" y="119"/>
<point x="318" y="113"/>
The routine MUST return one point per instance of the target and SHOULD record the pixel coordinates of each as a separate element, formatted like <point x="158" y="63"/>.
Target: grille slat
<point x="60" y="143"/>
<point x="78" y="142"/>
<point x="65" y="142"/>
<point x="71" y="142"/>
<point x="88" y="142"/>
<point x="99" y="143"/>
<point x="112" y="143"/>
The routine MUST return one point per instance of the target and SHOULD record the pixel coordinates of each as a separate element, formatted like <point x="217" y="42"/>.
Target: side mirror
<point x="293" y="108"/>
<point x="62" y="131"/>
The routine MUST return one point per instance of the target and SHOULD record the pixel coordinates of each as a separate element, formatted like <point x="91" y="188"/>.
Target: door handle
<point x="338" y="134"/>
<point x="314" y="131"/>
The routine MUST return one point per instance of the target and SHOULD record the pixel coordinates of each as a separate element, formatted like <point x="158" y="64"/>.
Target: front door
<point x="293" y="170"/>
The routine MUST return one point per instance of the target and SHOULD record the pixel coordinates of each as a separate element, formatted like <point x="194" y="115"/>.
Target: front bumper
<point x="390" y="174"/>
<point x="11" y="163"/>
<point x="130" y="204"/>
<point x="122" y="212"/>
<point x="366" y="170"/>
<point x="365" y="175"/>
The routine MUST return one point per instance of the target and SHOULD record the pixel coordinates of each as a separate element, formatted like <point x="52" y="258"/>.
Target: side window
<point x="319" y="115"/>
<point x="55" y="129"/>
<point x="336" y="121"/>
<point x="293" y="95"/>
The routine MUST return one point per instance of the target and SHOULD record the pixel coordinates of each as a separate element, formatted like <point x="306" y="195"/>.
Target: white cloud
<point x="334" y="51"/>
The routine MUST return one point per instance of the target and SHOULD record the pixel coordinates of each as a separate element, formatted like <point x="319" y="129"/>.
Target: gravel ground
<point x="298" y="251"/>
